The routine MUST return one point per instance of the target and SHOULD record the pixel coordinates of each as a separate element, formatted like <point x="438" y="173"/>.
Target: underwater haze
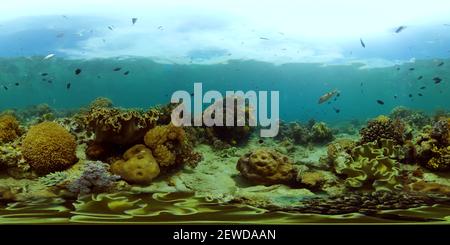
<point x="379" y="56"/>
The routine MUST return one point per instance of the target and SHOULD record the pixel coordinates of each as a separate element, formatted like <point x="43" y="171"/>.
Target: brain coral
<point x="49" y="147"/>
<point x="373" y="165"/>
<point x="266" y="166"/>
<point x="119" y="128"/>
<point x="139" y="165"/>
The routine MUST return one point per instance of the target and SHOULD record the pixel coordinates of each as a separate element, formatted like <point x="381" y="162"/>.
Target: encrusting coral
<point x="49" y="147"/>
<point x="138" y="165"/>
<point x="372" y="165"/>
<point x="169" y="147"/>
<point x="266" y="166"/>
<point x="119" y="128"/>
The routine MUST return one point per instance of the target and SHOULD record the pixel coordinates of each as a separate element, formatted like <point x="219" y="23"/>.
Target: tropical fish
<point x="17" y="84"/>
<point x="60" y="35"/>
<point x="117" y="69"/>
<point x="362" y="43"/>
<point x="337" y="110"/>
<point x="109" y="27"/>
<point x="264" y="38"/>
<point x="401" y="28"/>
<point x="77" y="71"/>
<point x="411" y="69"/>
<point x="380" y="102"/>
<point x="441" y="63"/>
<point x="134" y="20"/>
<point x="327" y="96"/>
<point x="126" y="73"/>
<point x="422" y="87"/>
<point x="420" y="95"/>
<point x="44" y="74"/>
<point x="437" y="80"/>
<point x="68" y="86"/>
<point x="398" y="69"/>
<point x="419" y="78"/>
<point x="410" y="95"/>
<point x="5" y="87"/>
<point x="49" y="56"/>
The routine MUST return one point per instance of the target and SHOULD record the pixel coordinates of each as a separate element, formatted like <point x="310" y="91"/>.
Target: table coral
<point x="371" y="164"/>
<point x="119" y="128"/>
<point x="49" y="147"/>
<point x="138" y="165"/>
<point x="266" y="166"/>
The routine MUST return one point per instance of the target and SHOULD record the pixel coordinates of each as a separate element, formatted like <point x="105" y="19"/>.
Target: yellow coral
<point x="49" y="147"/>
<point x="8" y="128"/>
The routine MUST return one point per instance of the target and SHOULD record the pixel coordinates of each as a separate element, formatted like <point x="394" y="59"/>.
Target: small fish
<point x="192" y="94"/>
<point x="337" y="95"/>
<point x="98" y="77"/>
<point x="103" y="40"/>
<point x="44" y="74"/>
<point x="53" y="78"/>
<point x="380" y="102"/>
<point x="43" y="79"/>
<point x="126" y="73"/>
<point x="440" y="91"/>
<point x="337" y="110"/>
<point x="422" y="87"/>
<point x="395" y="97"/>
<point x="60" y="35"/>
<point x="261" y="141"/>
<point x="5" y="87"/>
<point x="109" y="27"/>
<point x="17" y="84"/>
<point x="437" y="80"/>
<point x="68" y="86"/>
<point x="54" y="101"/>
<point x="398" y="69"/>
<point x="335" y="99"/>
<point x="410" y="95"/>
<point x="49" y="81"/>
<point x="329" y="102"/>
<point x="362" y="43"/>
<point x="401" y="28"/>
<point x="159" y="27"/>
<point x="327" y="96"/>
<point x="77" y="71"/>
<point x="419" y="78"/>
<point x="134" y="20"/>
<point x="362" y="91"/>
<point x="65" y="16"/>
<point x="411" y="69"/>
<point x="49" y="56"/>
<point x="420" y="95"/>
<point x="441" y="63"/>
<point x="117" y="69"/>
<point x="361" y="84"/>
<point x="264" y="38"/>
<point x="351" y="52"/>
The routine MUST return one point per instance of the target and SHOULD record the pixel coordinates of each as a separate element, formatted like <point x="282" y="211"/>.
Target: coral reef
<point x="321" y="132"/>
<point x="169" y="147"/>
<point x="301" y="134"/>
<point x="9" y="129"/>
<point x="71" y="125"/>
<point x="228" y="152"/>
<point x="399" y="111"/>
<point x="165" y="112"/>
<point x="384" y="128"/>
<point x="373" y="165"/>
<point x="266" y="166"/>
<point x="43" y="109"/>
<point x="101" y="102"/>
<point x="138" y="165"/>
<point x="49" y="147"/>
<point x="119" y="128"/>
<point x="53" y="179"/>
<point x="94" y="175"/>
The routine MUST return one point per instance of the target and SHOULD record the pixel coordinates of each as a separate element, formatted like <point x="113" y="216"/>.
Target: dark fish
<point x="329" y="102"/>
<point x="126" y="73"/>
<point x="337" y="95"/>
<point x="68" y="86"/>
<point x="98" y="77"/>
<point x="362" y="91"/>
<point x="167" y="95"/>
<point x="261" y="141"/>
<point x="5" y="87"/>
<point x="43" y="79"/>
<point x="410" y="95"/>
<point x="440" y="91"/>
<point x="335" y="99"/>
<point x="395" y="97"/>
<point x="337" y="110"/>
<point x="422" y="87"/>
<point x="362" y="43"/>
<point x="17" y="84"/>
<point x="411" y="69"/>
<point x="398" y="69"/>
<point x="109" y="27"/>
<point x="44" y="74"/>
<point x="380" y="102"/>
<point x="117" y="69"/>
<point x="77" y="71"/>
<point x="361" y="84"/>
<point x="192" y="94"/>
<point x="420" y="95"/>
<point x="49" y="81"/>
<point x="401" y="28"/>
<point x="134" y="20"/>
<point x="441" y="63"/>
<point x="264" y="38"/>
<point x="437" y="80"/>
<point x="419" y="78"/>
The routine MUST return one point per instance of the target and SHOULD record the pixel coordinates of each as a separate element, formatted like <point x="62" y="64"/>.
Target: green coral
<point x="53" y="179"/>
<point x="373" y="165"/>
<point x="228" y="152"/>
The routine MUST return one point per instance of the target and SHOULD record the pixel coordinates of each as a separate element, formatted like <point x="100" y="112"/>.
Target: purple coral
<point x="94" y="174"/>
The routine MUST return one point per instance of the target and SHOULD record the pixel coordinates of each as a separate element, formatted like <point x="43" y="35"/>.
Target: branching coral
<point x="119" y="128"/>
<point x="266" y="166"/>
<point x="169" y="147"/>
<point x="49" y="147"/>
<point x="373" y="165"/>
